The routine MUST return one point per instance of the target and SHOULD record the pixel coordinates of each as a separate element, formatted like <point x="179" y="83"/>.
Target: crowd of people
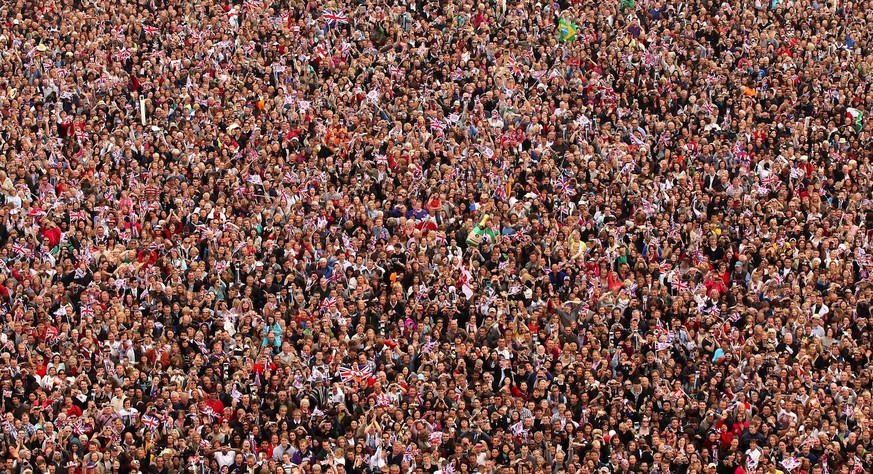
<point x="418" y="237"/>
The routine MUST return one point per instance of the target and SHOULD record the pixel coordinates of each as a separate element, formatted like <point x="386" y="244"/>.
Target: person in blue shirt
<point x="304" y="453"/>
<point x="557" y="277"/>
<point x="272" y="334"/>
<point x="416" y="211"/>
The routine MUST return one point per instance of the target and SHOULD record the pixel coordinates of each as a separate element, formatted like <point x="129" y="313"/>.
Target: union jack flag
<point x="152" y="422"/>
<point x="663" y="267"/>
<point x="500" y="193"/>
<point x="168" y="422"/>
<point x="118" y="33"/>
<point x="562" y="184"/>
<point x="449" y="468"/>
<point x="435" y="438"/>
<point x="9" y="428"/>
<point x="647" y="208"/>
<point x="79" y="428"/>
<point x="77" y="216"/>
<point x="150" y="30"/>
<point x="383" y="400"/>
<point x="348" y="374"/>
<point x="692" y="148"/>
<point x="327" y="304"/>
<point x="395" y="72"/>
<point x="649" y="59"/>
<point x="410" y="453"/>
<point x="679" y="285"/>
<point x="792" y="463"/>
<point x="848" y="411"/>
<point x="664" y="139"/>
<point x="208" y="411"/>
<point x="437" y="124"/>
<point x="513" y="66"/>
<point x="737" y="150"/>
<point x="51" y="334"/>
<point x="334" y="17"/>
<point x="709" y="108"/>
<point x="21" y="250"/>
<point x="429" y="347"/>
<point x="771" y="180"/>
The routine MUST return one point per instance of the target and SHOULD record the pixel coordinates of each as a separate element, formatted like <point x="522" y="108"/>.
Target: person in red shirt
<point x="51" y="232"/>
<point x="70" y="409"/>
<point x="213" y="402"/>
<point x="146" y="256"/>
<point x="41" y="365"/>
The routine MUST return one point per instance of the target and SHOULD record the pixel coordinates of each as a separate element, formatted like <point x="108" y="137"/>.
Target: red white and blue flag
<point x="334" y="17"/>
<point x="150" y="421"/>
<point x="410" y="453"/>
<point x="327" y="304"/>
<point x="562" y="184"/>
<point x="348" y="374"/>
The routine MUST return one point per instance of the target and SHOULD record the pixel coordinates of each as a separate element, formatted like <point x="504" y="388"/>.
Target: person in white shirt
<point x="817" y="329"/>
<point x="118" y="399"/>
<point x="48" y="380"/>
<point x="753" y="453"/>
<point x="224" y="457"/>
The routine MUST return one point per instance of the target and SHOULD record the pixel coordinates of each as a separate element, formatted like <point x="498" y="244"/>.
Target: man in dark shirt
<point x="713" y="250"/>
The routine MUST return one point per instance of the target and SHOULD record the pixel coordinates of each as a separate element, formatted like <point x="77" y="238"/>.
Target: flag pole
<point x="142" y="111"/>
